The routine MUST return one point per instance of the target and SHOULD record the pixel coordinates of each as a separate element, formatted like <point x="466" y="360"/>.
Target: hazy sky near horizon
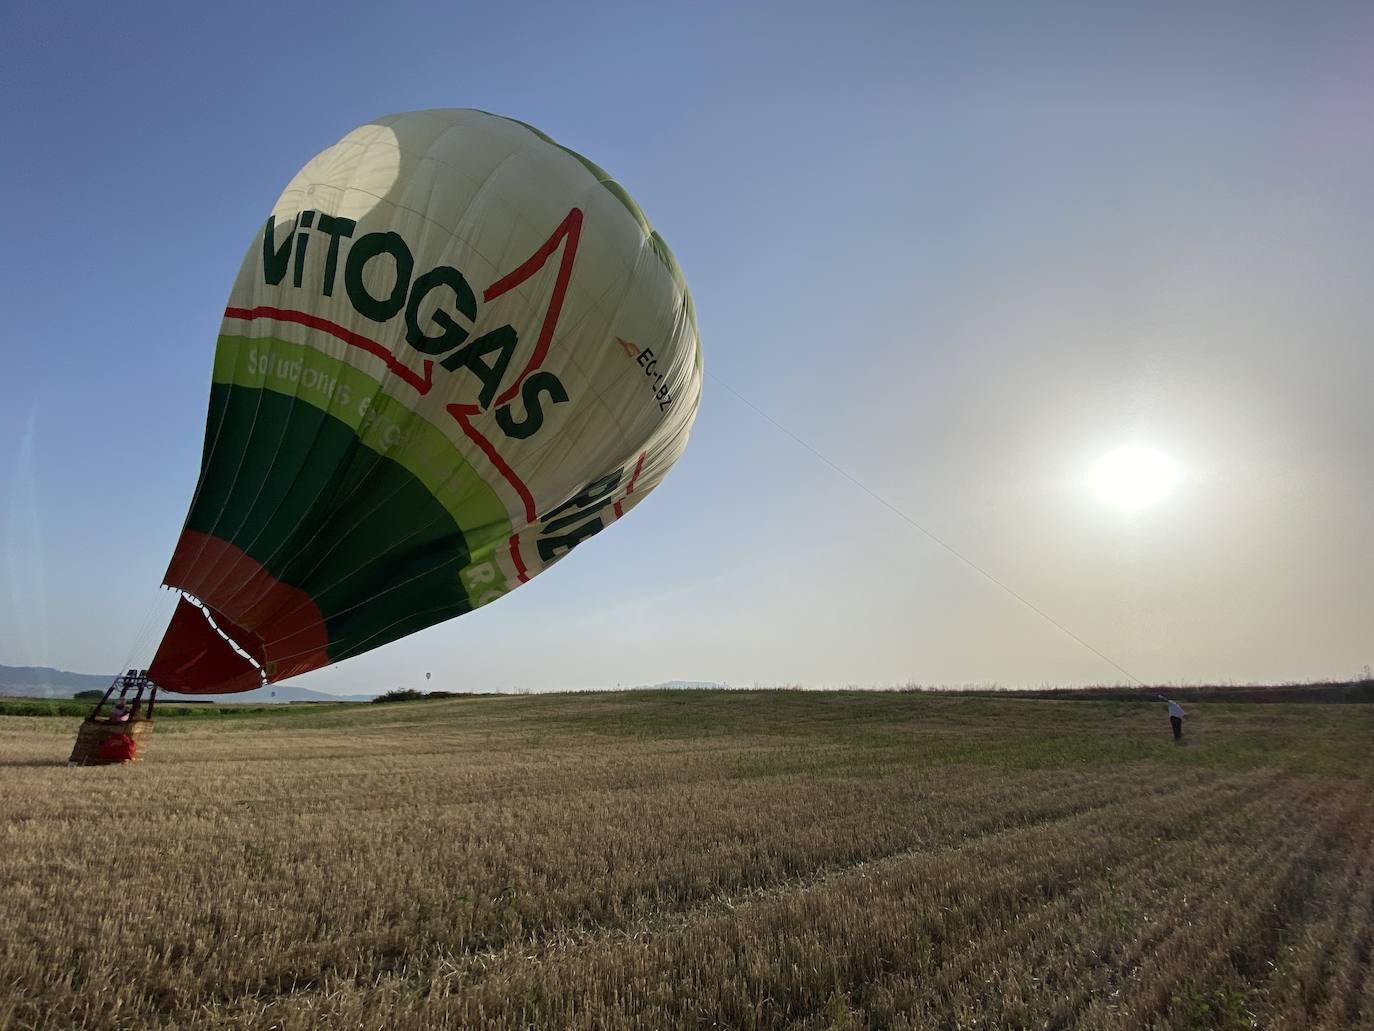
<point x="962" y="251"/>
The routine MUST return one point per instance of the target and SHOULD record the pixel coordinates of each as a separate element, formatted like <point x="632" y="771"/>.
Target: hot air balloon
<point x="454" y="351"/>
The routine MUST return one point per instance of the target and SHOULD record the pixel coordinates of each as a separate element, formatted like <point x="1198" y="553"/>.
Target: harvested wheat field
<point x="690" y="859"/>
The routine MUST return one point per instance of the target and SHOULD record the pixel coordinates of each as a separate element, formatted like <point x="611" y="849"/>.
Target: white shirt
<point x="1176" y="710"/>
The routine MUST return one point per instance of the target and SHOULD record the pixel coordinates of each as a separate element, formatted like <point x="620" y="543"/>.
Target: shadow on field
<point x="32" y="762"/>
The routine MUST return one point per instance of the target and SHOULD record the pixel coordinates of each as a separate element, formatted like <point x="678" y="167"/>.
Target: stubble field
<point x="689" y="859"/>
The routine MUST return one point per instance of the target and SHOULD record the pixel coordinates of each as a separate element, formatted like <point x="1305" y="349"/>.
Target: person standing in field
<point x="1176" y="715"/>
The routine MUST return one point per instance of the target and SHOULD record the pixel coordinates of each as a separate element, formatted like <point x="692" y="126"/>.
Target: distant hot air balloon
<point x="454" y="351"/>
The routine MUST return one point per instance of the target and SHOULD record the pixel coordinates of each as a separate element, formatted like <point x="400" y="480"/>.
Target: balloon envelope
<point x="454" y="351"/>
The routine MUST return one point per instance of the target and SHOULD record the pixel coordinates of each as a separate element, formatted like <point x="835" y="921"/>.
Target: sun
<point x="1134" y="477"/>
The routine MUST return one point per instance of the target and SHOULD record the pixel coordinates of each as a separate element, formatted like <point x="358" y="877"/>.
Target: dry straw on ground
<point x="697" y="860"/>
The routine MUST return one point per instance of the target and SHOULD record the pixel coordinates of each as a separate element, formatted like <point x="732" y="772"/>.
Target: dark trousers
<point x="1177" y="723"/>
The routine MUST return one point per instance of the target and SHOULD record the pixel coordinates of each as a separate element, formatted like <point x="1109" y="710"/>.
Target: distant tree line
<point x="402" y="694"/>
<point x="1348" y="692"/>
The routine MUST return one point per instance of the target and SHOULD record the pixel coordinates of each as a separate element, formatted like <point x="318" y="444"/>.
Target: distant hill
<point x="45" y="682"/>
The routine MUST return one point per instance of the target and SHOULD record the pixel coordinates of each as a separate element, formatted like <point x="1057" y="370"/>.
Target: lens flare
<point x="1134" y="477"/>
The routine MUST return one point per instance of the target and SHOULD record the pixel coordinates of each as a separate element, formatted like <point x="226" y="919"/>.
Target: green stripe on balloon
<point x="353" y="397"/>
<point x="299" y="492"/>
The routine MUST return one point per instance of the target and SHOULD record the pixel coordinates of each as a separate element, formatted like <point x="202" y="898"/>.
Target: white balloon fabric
<point x="454" y="351"/>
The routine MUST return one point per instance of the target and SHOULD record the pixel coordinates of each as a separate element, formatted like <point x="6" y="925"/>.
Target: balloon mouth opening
<point x="251" y="647"/>
<point x="204" y="652"/>
<point x="251" y="625"/>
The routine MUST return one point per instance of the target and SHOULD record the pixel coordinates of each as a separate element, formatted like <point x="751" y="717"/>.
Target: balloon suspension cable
<point x="149" y="630"/>
<point x="930" y="535"/>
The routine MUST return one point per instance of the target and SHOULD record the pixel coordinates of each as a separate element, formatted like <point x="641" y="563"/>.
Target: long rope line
<point x="143" y="638"/>
<point x="935" y="538"/>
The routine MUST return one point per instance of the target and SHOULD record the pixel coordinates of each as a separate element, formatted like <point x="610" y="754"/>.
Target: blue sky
<point x="961" y="250"/>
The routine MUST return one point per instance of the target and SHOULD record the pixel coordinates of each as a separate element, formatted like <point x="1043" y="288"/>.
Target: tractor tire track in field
<point x="1062" y="808"/>
<point x="1128" y="892"/>
<point x="1305" y="987"/>
<point x="518" y="970"/>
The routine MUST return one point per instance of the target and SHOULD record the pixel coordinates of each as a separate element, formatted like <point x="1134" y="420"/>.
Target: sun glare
<point x="1134" y="477"/>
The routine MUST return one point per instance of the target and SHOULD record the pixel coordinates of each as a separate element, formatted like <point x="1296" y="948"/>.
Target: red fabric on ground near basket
<point x="117" y="749"/>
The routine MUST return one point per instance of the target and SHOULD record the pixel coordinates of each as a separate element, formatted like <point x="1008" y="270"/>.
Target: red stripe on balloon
<point x="421" y="383"/>
<point x="630" y="487"/>
<point x="519" y="561"/>
<point x="460" y="414"/>
<point x="571" y="230"/>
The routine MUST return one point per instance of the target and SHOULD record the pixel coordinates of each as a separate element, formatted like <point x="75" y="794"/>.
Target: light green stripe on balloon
<point x="383" y="424"/>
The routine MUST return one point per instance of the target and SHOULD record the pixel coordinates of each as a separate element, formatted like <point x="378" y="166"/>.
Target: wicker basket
<point x="94" y="730"/>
